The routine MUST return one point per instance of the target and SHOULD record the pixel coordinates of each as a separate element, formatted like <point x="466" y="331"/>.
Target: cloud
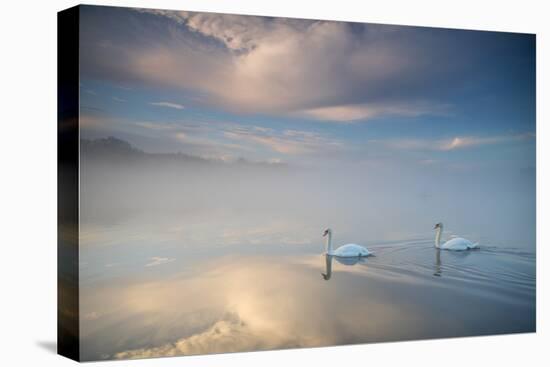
<point x="176" y="106"/>
<point x="351" y="113"/>
<point x="227" y="140"/>
<point x="118" y="99"/>
<point x="236" y="32"/>
<point x="156" y="125"/>
<point x="222" y="140"/>
<point x="155" y="261"/>
<point x="209" y="146"/>
<point x="224" y="335"/>
<point x="320" y="69"/>
<point x="214" y="139"/>
<point x="456" y="143"/>
<point x="238" y="305"/>
<point x="472" y="141"/>
<point x="290" y="142"/>
<point x="177" y="16"/>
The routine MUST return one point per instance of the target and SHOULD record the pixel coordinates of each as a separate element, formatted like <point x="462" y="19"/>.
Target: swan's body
<point x="349" y="250"/>
<point x="458" y="244"/>
<point x="455" y="244"/>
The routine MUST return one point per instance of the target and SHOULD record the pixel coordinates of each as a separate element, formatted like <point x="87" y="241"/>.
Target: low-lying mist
<point x="361" y="201"/>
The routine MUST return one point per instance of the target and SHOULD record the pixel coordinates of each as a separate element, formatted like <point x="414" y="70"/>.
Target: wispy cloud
<point x="455" y="143"/>
<point x="118" y="99"/>
<point x="124" y="87"/>
<point x="227" y="140"/>
<point x="176" y="106"/>
<point x="211" y="147"/>
<point x="285" y="142"/>
<point x="155" y="261"/>
<point x="156" y="125"/>
<point x="362" y="112"/>
<point x="472" y="141"/>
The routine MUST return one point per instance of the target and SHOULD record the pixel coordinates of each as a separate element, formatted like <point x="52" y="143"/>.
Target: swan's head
<point x="438" y="225"/>
<point x="327" y="231"/>
<point x="325" y="276"/>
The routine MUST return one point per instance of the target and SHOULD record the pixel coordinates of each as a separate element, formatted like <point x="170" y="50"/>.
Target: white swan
<point x="349" y="250"/>
<point x="455" y="244"/>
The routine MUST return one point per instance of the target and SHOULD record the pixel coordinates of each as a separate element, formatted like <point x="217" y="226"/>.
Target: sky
<point x="308" y="92"/>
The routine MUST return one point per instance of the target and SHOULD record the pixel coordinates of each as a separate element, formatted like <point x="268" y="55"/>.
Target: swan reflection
<point x="348" y="261"/>
<point x="437" y="263"/>
<point x="454" y="258"/>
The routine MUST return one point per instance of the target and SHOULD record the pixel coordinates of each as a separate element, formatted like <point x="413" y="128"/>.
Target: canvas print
<point x="233" y="183"/>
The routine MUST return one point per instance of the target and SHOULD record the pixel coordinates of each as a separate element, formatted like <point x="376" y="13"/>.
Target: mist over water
<point x="183" y="255"/>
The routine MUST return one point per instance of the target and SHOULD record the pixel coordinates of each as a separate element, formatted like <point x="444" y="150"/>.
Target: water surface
<point x="184" y="256"/>
<point x="195" y="299"/>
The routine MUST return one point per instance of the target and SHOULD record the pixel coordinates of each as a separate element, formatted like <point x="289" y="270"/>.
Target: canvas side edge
<point x="68" y="315"/>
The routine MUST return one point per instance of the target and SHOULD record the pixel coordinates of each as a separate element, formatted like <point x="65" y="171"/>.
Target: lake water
<point x="178" y="258"/>
<point x="153" y="288"/>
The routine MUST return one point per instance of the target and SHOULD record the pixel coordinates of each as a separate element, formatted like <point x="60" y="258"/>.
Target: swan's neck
<point x="438" y="236"/>
<point x="329" y="243"/>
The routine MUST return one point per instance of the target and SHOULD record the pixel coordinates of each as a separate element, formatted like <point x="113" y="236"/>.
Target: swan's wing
<point x="456" y="244"/>
<point x="351" y="249"/>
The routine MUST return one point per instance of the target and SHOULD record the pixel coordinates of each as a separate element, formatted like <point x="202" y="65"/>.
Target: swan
<point x="349" y="250"/>
<point x="454" y="244"/>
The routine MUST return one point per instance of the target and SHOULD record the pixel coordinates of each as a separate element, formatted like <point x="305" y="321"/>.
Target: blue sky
<point x="307" y="92"/>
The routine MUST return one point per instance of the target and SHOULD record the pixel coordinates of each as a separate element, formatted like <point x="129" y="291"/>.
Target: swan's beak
<point x="325" y="233"/>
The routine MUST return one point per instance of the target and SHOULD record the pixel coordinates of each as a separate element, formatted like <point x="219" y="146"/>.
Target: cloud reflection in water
<point x="237" y="304"/>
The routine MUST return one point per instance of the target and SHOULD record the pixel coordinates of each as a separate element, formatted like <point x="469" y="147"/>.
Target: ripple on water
<point x="504" y="273"/>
